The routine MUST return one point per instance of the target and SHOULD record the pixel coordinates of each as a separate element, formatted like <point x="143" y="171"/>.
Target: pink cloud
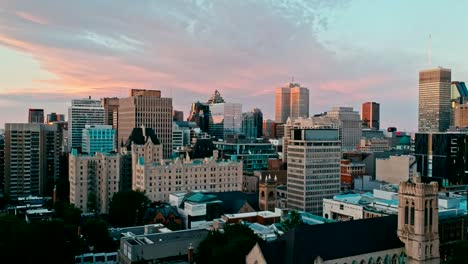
<point x="32" y="18"/>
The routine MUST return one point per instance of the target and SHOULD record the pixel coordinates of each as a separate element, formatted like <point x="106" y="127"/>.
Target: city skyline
<point x="343" y="51"/>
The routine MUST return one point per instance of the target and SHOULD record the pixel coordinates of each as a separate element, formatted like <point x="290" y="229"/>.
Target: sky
<point x="346" y="52"/>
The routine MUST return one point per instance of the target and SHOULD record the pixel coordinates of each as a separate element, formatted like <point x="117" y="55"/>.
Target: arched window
<point x="387" y="259"/>
<point x="430" y="251"/>
<point x="326" y="216"/>
<point x="263" y="194"/>
<point x="402" y="258"/>
<point x="427" y="250"/>
<point x="406" y="213"/>
<point x="379" y="261"/>
<point x="412" y="214"/>
<point x="426" y="216"/>
<point x="371" y="261"/>
<point x="362" y="262"/>
<point x="395" y="259"/>
<point x="271" y="196"/>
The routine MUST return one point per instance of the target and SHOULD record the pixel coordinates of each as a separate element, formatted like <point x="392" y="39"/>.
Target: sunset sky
<point x="345" y="52"/>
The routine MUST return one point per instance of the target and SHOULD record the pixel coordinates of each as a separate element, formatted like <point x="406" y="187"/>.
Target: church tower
<point x="418" y="221"/>
<point x="267" y="193"/>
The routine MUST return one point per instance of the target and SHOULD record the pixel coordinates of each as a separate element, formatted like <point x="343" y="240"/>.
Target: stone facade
<point x="418" y="221"/>
<point x="159" y="179"/>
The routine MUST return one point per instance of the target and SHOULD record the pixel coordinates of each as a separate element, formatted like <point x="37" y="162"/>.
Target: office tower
<point x="54" y="118"/>
<point x="225" y="118"/>
<point x="200" y="114"/>
<point x="313" y="168"/>
<point x="252" y="123"/>
<point x="146" y="108"/>
<point x="459" y="103"/>
<point x="82" y="112"/>
<point x="177" y="116"/>
<point x="94" y="179"/>
<point x="370" y="115"/>
<point x="442" y="155"/>
<point x="32" y="155"/>
<point x="98" y="138"/>
<point x="418" y="221"/>
<point x="111" y="111"/>
<point x="292" y="101"/>
<point x="36" y="116"/>
<point x="349" y="125"/>
<point x="434" y="100"/>
<point x="2" y="162"/>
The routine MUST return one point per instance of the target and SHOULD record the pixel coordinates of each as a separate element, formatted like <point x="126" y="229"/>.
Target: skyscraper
<point x="54" y="117"/>
<point x="225" y="118"/>
<point x="36" y="116"/>
<point x="2" y="161"/>
<point x="146" y="108"/>
<point x="252" y="123"/>
<point x="370" y="115"/>
<point x="82" y="112"/>
<point x="200" y="114"/>
<point x="98" y="138"/>
<point x="111" y="111"/>
<point x="292" y="101"/>
<point x="313" y="168"/>
<point x="434" y="100"/>
<point x="32" y="155"/>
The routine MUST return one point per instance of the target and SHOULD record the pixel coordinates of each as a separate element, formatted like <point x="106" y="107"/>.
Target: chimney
<point x="190" y="254"/>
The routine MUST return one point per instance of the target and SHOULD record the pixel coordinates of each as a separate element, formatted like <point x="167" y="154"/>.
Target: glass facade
<point x="98" y="138"/>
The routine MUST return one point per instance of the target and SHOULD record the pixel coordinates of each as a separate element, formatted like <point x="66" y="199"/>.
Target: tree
<point x="231" y="246"/>
<point x="128" y="208"/>
<point x="294" y="220"/>
<point x="96" y="234"/>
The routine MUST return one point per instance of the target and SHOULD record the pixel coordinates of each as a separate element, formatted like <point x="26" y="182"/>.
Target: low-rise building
<point x="349" y="171"/>
<point x="161" y="247"/>
<point x="374" y="145"/>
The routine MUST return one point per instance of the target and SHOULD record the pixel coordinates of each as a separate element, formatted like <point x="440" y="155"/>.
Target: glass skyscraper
<point x="98" y="138"/>
<point x="292" y="101"/>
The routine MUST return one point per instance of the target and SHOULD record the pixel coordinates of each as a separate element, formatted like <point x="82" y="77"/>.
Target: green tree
<point x="128" y="208"/>
<point x="68" y="213"/>
<point x="96" y="234"/>
<point x="294" y="220"/>
<point x="231" y="246"/>
<point x="459" y="253"/>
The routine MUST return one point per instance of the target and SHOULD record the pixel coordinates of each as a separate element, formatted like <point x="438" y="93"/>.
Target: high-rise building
<point x="434" y="100"/>
<point x="225" y="118"/>
<point x="146" y="108"/>
<point x="200" y="114"/>
<point x="370" y="115"/>
<point x="252" y="123"/>
<point x="442" y="155"/>
<point x="82" y="112"/>
<point x="177" y="115"/>
<point x="292" y="101"/>
<point x="94" y="179"/>
<point x="32" y="156"/>
<point x="459" y="109"/>
<point x="36" y="116"/>
<point x="54" y="118"/>
<point x="314" y="157"/>
<point x="98" y="138"/>
<point x="111" y="111"/>
<point x="2" y="162"/>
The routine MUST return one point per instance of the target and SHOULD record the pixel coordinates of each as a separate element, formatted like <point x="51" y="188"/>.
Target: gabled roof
<point x="138" y="137"/>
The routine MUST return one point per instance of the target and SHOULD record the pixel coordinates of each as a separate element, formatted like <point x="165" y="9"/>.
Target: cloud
<point x="185" y="48"/>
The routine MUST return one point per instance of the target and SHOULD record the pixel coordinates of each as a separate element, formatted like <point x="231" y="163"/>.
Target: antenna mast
<point x="429" y="51"/>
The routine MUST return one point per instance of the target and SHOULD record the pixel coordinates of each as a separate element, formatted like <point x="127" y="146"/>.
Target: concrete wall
<point x="395" y="169"/>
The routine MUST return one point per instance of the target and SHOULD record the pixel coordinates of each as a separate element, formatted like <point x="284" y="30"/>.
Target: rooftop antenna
<point x="429" y="51"/>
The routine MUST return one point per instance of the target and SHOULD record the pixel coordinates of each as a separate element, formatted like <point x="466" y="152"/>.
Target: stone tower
<point x="267" y="193"/>
<point x="418" y="221"/>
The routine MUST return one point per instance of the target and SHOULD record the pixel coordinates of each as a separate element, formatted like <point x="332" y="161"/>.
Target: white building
<point x="159" y="179"/>
<point x="313" y="168"/>
<point x="93" y="180"/>
<point x="82" y="112"/>
<point x="395" y="169"/>
<point x="374" y="144"/>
